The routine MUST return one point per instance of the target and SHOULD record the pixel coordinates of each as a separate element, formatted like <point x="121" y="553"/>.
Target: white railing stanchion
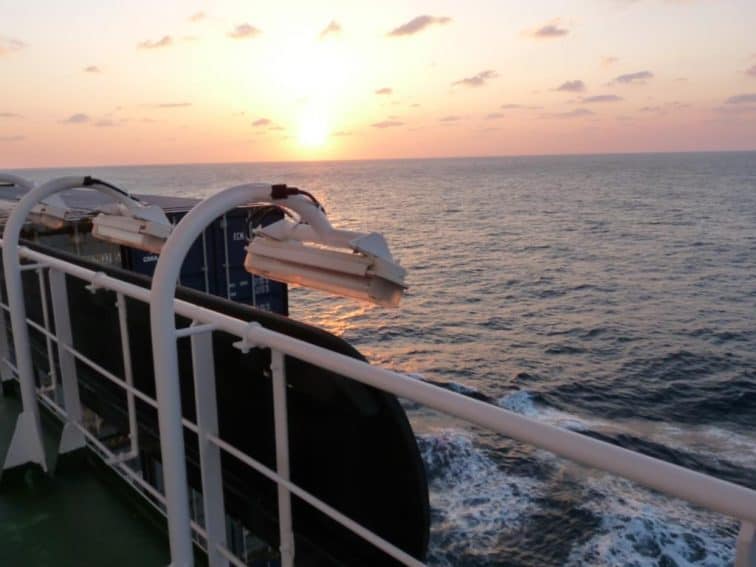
<point x="164" y="348"/>
<point x="128" y="374"/>
<point x="745" y="547"/>
<point x="280" y="416"/>
<point x="53" y="386"/>
<point x="6" y="374"/>
<point x="203" y="365"/>
<point x="72" y="438"/>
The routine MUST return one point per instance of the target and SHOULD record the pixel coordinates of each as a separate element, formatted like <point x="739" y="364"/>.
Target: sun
<point x="313" y="132"/>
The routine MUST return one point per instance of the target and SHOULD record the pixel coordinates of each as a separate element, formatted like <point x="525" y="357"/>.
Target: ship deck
<point x="83" y="515"/>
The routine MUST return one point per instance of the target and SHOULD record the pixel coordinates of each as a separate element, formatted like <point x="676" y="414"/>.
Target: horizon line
<point x="423" y="158"/>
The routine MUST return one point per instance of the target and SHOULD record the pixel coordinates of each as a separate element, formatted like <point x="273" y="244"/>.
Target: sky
<point x="87" y="82"/>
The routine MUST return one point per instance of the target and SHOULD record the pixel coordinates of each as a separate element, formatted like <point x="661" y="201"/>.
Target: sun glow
<point x="313" y="131"/>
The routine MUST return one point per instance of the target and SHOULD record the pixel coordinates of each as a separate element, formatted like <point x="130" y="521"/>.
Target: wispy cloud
<point x="512" y="106"/>
<point x="198" y="17"/>
<point x="418" y="24"/>
<point x="92" y="69"/>
<point x="477" y="80"/>
<point x="16" y="138"/>
<point x="749" y="98"/>
<point x="244" y="31"/>
<point x="638" y="78"/>
<point x="601" y="98"/>
<point x="276" y="128"/>
<point x="262" y="122"/>
<point x="665" y="107"/>
<point x="495" y="116"/>
<point x="549" y="31"/>
<point x="577" y="113"/>
<point x="451" y="118"/>
<point x="384" y="91"/>
<point x="608" y="61"/>
<point x="78" y="118"/>
<point x="9" y="115"/>
<point x="342" y="133"/>
<point x="751" y="72"/>
<point x="333" y="28"/>
<point x="169" y="105"/>
<point x="164" y="41"/>
<point x="575" y="86"/>
<point x="105" y="123"/>
<point x="9" y="45"/>
<point x="387" y="124"/>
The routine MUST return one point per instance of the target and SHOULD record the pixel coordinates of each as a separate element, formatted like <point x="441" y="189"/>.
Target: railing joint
<point x="245" y="345"/>
<point x="96" y="283"/>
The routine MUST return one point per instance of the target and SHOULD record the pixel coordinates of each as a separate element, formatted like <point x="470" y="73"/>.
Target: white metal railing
<point x="720" y="496"/>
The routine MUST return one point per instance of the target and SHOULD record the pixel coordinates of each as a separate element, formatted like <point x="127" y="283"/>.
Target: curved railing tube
<point x="26" y="444"/>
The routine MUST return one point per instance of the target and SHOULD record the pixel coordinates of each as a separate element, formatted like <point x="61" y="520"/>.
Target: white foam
<point x="705" y="440"/>
<point x="472" y="499"/>
<point x="641" y="528"/>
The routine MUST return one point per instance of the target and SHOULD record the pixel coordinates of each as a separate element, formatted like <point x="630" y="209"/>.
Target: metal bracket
<point x="245" y="345"/>
<point x="95" y="285"/>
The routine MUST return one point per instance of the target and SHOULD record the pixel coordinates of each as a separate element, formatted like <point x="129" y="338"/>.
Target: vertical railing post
<point x="203" y="364"/>
<point x="6" y="374"/>
<point x="52" y="374"/>
<point x="745" y="547"/>
<point x="128" y="373"/>
<point x="72" y="437"/>
<point x="280" y="416"/>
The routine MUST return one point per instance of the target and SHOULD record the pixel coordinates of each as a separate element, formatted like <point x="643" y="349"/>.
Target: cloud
<point x="387" y="124"/>
<point x="197" y="17"/>
<point x="244" y="31"/>
<point x="92" y="69"/>
<point x="169" y="105"/>
<point x="333" y="28"/>
<point x="342" y="133"/>
<point x="418" y="24"/>
<point x="384" y="91"/>
<point x="16" y="138"/>
<point x="638" y="78"/>
<point x="751" y="72"/>
<point x="495" y="115"/>
<point x="9" y="45"/>
<point x="550" y="31"/>
<point x="451" y="118"/>
<point x="105" y="123"/>
<point x="577" y="113"/>
<point x="78" y="118"/>
<point x="609" y="61"/>
<point x="262" y="122"/>
<point x="275" y="128"/>
<point x="601" y="98"/>
<point x="575" y="86"/>
<point x="164" y="41"/>
<point x="666" y="107"/>
<point x="9" y="115"/>
<point x="749" y="98"/>
<point x="510" y="106"/>
<point x="477" y="80"/>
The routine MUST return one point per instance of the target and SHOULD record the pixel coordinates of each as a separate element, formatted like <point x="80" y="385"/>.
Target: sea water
<point x="610" y="295"/>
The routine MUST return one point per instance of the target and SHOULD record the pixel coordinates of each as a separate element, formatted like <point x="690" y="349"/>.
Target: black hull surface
<point x="351" y="445"/>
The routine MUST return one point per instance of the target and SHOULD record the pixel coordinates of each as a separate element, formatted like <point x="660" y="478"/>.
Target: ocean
<point x="611" y="295"/>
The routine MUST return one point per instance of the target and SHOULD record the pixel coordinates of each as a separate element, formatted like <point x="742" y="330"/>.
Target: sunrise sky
<point x="88" y="82"/>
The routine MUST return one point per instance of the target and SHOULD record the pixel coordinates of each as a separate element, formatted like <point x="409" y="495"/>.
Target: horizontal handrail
<point x="718" y="495"/>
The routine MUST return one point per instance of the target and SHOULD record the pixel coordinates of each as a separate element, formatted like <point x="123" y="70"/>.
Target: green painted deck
<point x="81" y="515"/>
